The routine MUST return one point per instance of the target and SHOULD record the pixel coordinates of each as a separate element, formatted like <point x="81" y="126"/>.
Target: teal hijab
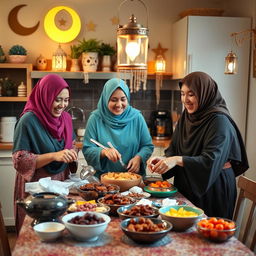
<point x="115" y="121"/>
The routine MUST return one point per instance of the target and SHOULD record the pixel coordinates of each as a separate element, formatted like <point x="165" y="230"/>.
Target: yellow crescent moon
<point x="14" y="24"/>
<point x="56" y="34"/>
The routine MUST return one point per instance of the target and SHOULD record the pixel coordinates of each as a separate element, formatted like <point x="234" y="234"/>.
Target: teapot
<point x="45" y="206"/>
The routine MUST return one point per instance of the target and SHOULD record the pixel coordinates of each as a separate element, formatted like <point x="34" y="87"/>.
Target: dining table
<point x="114" y="242"/>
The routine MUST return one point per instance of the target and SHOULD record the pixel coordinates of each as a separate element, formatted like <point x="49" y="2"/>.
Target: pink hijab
<point x="40" y="102"/>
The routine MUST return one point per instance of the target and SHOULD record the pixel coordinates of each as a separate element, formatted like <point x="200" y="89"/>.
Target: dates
<point x="140" y="210"/>
<point x="87" y="219"/>
<point x="98" y="187"/>
<point x="117" y="199"/>
<point x="145" y="225"/>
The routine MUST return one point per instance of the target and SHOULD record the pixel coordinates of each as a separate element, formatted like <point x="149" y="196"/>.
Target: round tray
<point x="161" y="193"/>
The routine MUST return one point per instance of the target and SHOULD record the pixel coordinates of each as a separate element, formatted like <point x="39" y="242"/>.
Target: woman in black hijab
<point x="207" y="151"/>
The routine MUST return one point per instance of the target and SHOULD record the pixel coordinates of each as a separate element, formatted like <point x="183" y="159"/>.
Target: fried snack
<point x="121" y="176"/>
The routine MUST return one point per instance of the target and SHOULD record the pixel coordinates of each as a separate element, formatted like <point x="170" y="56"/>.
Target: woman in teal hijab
<point x="117" y="122"/>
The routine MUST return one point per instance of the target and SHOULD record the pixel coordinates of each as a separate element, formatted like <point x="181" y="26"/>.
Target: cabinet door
<point x="7" y="182"/>
<point x="208" y="41"/>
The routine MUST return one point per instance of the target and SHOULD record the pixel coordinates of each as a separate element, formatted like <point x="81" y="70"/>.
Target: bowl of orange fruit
<point x="161" y="188"/>
<point x="216" y="229"/>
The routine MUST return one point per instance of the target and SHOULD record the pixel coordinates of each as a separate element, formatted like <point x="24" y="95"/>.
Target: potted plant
<point x="2" y="55"/>
<point x="106" y="52"/>
<point x="17" y="54"/>
<point x="9" y="87"/>
<point x="89" y="50"/>
<point x="75" y="54"/>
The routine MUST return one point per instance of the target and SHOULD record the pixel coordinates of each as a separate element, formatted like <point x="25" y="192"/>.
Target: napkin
<point x="48" y="185"/>
<point x="169" y="202"/>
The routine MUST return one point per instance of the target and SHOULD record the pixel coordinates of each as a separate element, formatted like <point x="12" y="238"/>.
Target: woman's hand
<point x="134" y="164"/>
<point x="111" y="153"/>
<point x="161" y="166"/>
<point x="66" y="156"/>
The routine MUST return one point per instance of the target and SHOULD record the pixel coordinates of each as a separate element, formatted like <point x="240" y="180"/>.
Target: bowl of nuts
<point x="92" y="191"/>
<point x="125" y="180"/>
<point x="114" y="201"/>
<point x="145" y="230"/>
<point x="130" y="211"/>
<point x="86" y="226"/>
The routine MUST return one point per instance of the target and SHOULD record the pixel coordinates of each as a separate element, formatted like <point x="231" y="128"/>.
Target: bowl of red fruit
<point x="216" y="229"/>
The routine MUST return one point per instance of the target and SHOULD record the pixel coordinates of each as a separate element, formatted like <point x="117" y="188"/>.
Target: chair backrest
<point x="247" y="191"/>
<point x="4" y="243"/>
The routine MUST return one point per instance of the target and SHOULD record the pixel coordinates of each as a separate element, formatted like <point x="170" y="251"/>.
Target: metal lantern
<point x="231" y="63"/>
<point x="132" y="51"/>
<point x="59" y="60"/>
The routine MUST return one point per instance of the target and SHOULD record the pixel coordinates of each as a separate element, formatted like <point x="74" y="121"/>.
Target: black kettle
<point x="45" y="206"/>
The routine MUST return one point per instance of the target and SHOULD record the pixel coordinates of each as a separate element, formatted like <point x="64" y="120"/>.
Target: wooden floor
<point x="12" y="238"/>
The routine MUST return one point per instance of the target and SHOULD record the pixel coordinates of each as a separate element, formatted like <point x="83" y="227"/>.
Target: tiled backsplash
<point x="85" y="96"/>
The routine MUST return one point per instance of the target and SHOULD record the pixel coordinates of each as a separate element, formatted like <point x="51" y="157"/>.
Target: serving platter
<point x="167" y="193"/>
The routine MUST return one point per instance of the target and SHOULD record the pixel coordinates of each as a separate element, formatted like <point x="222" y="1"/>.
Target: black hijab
<point x="210" y="102"/>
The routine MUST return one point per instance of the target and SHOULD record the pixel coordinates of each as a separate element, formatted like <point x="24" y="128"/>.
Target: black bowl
<point x="146" y="237"/>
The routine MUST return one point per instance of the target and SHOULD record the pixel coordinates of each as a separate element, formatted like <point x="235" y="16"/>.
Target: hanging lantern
<point x="231" y="63"/>
<point x="59" y="60"/>
<point x="132" y="50"/>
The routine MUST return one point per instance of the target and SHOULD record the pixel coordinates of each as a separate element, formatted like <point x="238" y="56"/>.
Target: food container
<point x="7" y="128"/>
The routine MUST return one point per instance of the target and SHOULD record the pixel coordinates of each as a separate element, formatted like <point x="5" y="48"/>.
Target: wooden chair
<point x="4" y="243"/>
<point x="247" y="191"/>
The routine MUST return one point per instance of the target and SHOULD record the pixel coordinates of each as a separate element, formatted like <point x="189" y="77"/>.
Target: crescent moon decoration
<point x="62" y="24"/>
<point x="14" y="24"/>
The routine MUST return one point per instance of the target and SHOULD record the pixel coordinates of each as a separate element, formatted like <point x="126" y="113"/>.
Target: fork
<point x="120" y="159"/>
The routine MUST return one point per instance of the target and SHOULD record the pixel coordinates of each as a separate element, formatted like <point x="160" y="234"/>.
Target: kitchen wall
<point x="162" y="14"/>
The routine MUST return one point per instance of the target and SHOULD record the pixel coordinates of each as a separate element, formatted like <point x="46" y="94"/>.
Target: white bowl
<point x="49" y="231"/>
<point x="85" y="232"/>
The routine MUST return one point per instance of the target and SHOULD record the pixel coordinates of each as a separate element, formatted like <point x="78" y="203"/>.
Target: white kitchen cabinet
<point x="7" y="182"/>
<point x="201" y="43"/>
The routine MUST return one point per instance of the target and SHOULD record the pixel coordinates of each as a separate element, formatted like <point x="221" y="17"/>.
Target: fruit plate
<point x="170" y="192"/>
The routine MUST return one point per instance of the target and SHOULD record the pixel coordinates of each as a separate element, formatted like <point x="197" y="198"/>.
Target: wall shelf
<point x="80" y="75"/>
<point x="18" y="72"/>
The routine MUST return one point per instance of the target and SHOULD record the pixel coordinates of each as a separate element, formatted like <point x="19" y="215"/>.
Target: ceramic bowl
<point x="115" y="206"/>
<point x="181" y="223"/>
<point x="85" y="232"/>
<point x="124" y="183"/>
<point x="151" y="178"/>
<point x="143" y="210"/>
<point x="94" y="193"/>
<point x="49" y="231"/>
<point x="222" y="230"/>
<point x="146" y="237"/>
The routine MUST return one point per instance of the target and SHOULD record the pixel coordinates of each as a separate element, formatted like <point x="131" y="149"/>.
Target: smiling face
<point x="189" y="99"/>
<point x="60" y="103"/>
<point x="117" y="102"/>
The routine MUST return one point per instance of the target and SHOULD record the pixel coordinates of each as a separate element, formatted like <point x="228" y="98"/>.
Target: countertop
<point x="157" y="143"/>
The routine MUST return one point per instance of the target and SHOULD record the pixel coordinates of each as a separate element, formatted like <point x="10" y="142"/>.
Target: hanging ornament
<point x="160" y="69"/>
<point x="132" y="50"/>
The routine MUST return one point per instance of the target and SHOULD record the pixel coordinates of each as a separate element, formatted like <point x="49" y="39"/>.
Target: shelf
<point x="80" y="75"/>
<point x="15" y="72"/>
<point x="94" y="75"/>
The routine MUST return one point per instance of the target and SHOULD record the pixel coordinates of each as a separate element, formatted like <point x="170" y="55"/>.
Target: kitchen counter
<point x="157" y="143"/>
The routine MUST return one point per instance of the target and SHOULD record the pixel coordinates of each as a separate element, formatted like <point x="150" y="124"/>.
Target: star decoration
<point x="90" y="26"/>
<point x="62" y="22"/>
<point x="114" y="20"/>
<point x="159" y="50"/>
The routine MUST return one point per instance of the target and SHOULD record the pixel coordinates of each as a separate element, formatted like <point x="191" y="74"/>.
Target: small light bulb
<point x="132" y="49"/>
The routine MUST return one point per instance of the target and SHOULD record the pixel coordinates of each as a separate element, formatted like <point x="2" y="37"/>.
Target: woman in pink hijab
<point x="43" y="138"/>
